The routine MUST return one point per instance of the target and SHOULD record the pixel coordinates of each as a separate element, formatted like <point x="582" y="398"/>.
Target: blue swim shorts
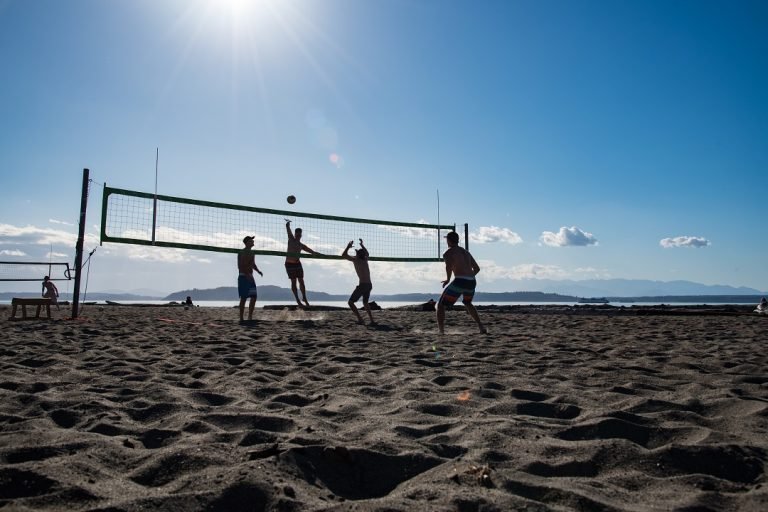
<point x="246" y="287"/>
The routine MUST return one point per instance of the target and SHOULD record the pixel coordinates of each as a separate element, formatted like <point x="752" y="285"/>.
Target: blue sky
<point x="578" y="139"/>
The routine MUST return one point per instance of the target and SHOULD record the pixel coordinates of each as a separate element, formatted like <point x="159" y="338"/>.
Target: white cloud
<point x="490" y="234"/>
<point x="12" y="252"/>
<point x="64" y="223"/>
<point x="592" y="273"/>
<point x="684" y="241"/>
<point x="31" y="235"/>
<point x="412" y="232"/>
<point x="568" y="237"/>
<point x="163" y="254"/>
<point x="491" y="271"/>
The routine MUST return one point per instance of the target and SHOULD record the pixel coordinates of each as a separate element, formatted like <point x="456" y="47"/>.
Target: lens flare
<point x="336" y="160"/>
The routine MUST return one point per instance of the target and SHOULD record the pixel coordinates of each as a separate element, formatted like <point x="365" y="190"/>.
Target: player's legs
<point x="448" y="297"/>
<point x="295" y="290"/>
<point x="242" y="308"/>
<point x="367" y="295"/>
<point x="352" y="299"/>
<point x="440" y="317"/>
<point x="250" y="307"/>
<point x="469" y="294"/>
<point x="303" y="291"/>
<point x="473" y="313"/>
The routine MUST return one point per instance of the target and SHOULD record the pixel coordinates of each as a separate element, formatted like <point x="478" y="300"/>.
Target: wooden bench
<point x="24" y="302"/>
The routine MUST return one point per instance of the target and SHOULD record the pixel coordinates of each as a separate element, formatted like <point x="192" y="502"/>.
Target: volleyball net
<point x="141" y="218"/>
<point x="34" y="271"/>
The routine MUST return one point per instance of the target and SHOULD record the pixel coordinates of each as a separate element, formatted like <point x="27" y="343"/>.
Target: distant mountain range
<point x="627" y="288"/>
<point x="540" y="290"/>
<point x="268" y="292"/>
<point x="535" y="290"/>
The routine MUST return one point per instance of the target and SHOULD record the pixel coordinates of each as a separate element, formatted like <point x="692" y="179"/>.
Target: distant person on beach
<point x="188" y="302"/>
<point x="246" y="283"/>
<point x="762" y="307"/>
<point x="50" y="291"/>
<point x="464" y="268"/>
<point x="364" y="287"/>
<point x="293" y="263"/>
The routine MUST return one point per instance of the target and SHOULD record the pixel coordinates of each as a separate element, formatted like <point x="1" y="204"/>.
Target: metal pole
<point x="80" y="242"/>
<point x="154" y="205"/>
<point x="438" y="223"/>
<point x="466" y="236"/>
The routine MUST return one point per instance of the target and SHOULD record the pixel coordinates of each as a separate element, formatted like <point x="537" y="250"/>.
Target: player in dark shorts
<point x="293" y="264"/>
<point x="246" y="284"/>
<point x="460" y="263"/>
<point x="363" y="289"/>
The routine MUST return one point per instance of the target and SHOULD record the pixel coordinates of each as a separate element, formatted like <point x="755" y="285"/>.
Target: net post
<point x="80" y="242"/>
<point x="466" y="236"/>
<point x="104" y="200"/>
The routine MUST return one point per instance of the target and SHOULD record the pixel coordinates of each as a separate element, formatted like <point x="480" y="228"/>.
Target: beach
<point x="570" y="408"/>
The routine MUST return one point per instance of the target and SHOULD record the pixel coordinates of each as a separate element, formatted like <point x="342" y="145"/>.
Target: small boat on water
<point x="593" y="300"/>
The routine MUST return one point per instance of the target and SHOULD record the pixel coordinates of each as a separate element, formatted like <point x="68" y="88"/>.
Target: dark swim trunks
<point x="295" y="270"/>
<point x="246" y="286"/>
<point x="459" y="286"/>
<point x="362" y="290"/>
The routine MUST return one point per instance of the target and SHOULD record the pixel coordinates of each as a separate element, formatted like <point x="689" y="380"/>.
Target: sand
<point x="161" y="408"/>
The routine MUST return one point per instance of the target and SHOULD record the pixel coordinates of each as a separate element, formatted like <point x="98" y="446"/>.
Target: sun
<point x="242" y="12"/>
<point x="238" y="8"/>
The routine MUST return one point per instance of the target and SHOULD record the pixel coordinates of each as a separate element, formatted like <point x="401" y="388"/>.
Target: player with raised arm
<point x="364" y="287"/>
<point x="293" y="264"/>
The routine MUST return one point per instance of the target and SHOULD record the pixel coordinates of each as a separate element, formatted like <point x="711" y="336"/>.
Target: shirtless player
<point x="293" y="264"/>
<point x="463" y="266"/>
<point x="246" y="284"/>
<point x="364" y="287"/>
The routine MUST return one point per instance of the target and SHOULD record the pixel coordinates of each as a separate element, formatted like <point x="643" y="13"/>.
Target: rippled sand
<point x="160" y="408"/>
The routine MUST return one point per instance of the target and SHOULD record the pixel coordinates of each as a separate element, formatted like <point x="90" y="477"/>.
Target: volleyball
<point x="291" y="199"/>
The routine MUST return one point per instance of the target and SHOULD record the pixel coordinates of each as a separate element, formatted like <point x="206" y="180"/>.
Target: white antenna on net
<point x="154" y="205"/>
<point x="438" y="221"/>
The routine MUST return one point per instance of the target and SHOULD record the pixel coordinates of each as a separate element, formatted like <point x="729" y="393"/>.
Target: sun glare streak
<point x="248" y="37"/>
<point x="302" y="47"/>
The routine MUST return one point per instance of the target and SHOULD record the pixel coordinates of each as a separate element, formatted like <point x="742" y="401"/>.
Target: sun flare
<point x="241" y="12"/>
